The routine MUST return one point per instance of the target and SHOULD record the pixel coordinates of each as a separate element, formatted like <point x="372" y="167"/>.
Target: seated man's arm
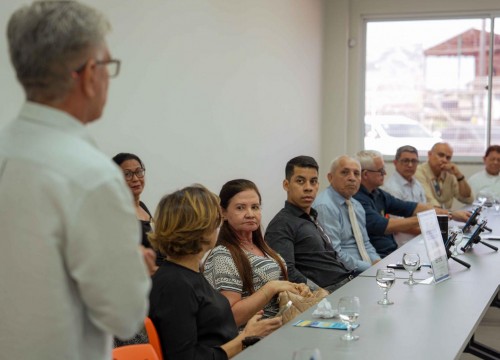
<point x="281" y="239"/>
<point x="407" y="209"/>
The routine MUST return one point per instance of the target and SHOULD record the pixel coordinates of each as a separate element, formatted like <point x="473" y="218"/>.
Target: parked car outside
<point x="386" y="133"/>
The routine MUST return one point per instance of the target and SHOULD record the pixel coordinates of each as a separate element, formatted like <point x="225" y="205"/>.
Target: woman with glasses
<point x="194" y="321"/>
<point x="134" y="171"/>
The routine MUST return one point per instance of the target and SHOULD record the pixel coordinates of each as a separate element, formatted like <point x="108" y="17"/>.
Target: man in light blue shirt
<point x="333" y="215"/>
<point x="402" y="184"/>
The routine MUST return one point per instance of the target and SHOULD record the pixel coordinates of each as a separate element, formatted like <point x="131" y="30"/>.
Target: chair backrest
<point x="135" y="352"/>
<point x="153" y="337"/>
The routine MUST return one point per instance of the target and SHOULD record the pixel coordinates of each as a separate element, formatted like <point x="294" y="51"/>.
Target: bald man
<point x="442" y="179"/>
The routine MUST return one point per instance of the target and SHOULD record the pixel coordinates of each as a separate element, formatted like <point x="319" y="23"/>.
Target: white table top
<point x="426" y="322"/>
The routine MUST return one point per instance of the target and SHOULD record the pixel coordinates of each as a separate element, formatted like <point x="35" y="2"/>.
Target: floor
<point x="488" y="332"/>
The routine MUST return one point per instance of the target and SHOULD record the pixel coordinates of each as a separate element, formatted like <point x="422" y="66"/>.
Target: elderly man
<point x="442" y="179"/>
<point x="343" y="217"/>
<point x="488" y="179"/>
<point x="296" y="235"/>
<point x="73" y="274"/>
<point x="403" y="185"/>
<point x="379" y="203"/>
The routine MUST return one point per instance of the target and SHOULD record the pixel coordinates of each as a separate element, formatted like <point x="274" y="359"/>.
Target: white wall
<point x="209" y="90"/>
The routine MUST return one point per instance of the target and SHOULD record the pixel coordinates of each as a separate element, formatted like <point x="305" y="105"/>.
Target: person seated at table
<point x="488" y="179"/>
<point x="343" y="217"/>
<point x="296" y="235"/>
<point x="403" y="185"/>
<point x="379" y="203"/>
<point x="242" y="266"/>
<point x="193" y="320"/>
<point x="442" y="179"/>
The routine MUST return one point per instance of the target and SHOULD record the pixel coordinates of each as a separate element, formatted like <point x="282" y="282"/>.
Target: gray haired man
<point x="72" y="272"/>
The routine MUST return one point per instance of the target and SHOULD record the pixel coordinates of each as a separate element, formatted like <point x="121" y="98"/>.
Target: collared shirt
<point x="307" y="251"/>
<point x="333" y="215"/>
<point x="398" y="186"/>
<point x="440" y="191"/>
<point x="486" y="182"/>
<point x="377" y="205"/>
<point x="72" y="273"/>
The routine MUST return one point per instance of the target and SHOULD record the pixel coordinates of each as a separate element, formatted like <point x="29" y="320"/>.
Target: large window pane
<point x="426" y="81"/>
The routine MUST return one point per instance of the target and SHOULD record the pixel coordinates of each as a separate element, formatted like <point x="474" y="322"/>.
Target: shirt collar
<point x="334" y="194"/>
<point x="296" y="211"/>
<point x="55" y="119"/>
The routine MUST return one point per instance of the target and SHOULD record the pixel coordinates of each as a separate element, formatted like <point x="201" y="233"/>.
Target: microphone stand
<point x="449" y="244"/>
<point x="475" y="238"/>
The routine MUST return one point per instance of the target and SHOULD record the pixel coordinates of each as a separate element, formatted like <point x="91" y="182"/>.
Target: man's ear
<point x="285" y="185"/>
<point x="329" y="176"/>
<point x="394" y="162"/>
<point x="88" y="78"/>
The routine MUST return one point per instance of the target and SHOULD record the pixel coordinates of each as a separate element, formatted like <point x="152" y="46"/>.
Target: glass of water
<point x="385" y="279"/>
<point x="411" y="263"/>
<point x="307" y="354"/>
<point x="349" y="313"/>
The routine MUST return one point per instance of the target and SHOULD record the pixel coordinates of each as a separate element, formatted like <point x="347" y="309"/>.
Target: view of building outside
<point x="427" y="81"/>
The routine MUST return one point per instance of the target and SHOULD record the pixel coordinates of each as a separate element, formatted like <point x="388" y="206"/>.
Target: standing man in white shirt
<point x="489" y="178"/>
<point x="72" y="272"/>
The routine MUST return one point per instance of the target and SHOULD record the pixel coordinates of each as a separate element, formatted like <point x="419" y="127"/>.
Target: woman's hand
<point x="277" y="286"/>
<point x="303" y="290"/>
<point x="257" y="327"/>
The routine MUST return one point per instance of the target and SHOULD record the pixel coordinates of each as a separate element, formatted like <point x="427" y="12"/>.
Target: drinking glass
<point x="411" y="263"/>
<point x="307" y="354"/>
<point x="496" y="204"/>
<point x="385" y="280"/>
<point x="482" y="196"/>
<point x="458" y="240"/>
<point x="348" y="313"/>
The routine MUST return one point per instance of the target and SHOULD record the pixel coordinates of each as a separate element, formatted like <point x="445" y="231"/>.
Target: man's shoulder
<point x="423" y="171"/>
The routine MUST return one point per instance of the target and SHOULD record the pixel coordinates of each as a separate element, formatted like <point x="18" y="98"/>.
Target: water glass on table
<point x="411" y="263"/>
<point x="349" y="307"/>
<point x="307" y="354"/>
<point x="385" y="280"/>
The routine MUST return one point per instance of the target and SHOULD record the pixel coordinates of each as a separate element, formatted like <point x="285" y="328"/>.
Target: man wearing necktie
<point x="343" y="218"/>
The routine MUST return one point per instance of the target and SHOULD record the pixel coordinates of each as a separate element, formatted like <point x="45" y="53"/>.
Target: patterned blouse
<point x="222" y="274"/>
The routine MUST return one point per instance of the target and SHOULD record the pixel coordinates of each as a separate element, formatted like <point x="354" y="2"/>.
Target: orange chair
<point x="135" y="352"/>
<point x="153" y="337"/>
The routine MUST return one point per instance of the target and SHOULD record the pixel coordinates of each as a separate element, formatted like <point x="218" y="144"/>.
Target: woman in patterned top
<point x="242" y="266"/>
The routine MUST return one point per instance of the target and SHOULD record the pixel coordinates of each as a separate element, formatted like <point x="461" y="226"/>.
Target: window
<point x="431" y="80"/>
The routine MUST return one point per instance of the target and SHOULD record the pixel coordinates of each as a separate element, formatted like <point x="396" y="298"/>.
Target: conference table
<point x="435" y="321"/>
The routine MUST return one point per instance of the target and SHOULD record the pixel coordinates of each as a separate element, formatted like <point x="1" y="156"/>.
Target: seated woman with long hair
<point x="242" y="266"/>
<point x="194" y="321"/>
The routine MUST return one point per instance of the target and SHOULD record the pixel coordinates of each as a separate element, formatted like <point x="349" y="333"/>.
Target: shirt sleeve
<point x="221" y="271"/>
<point x="399" y="207"/>
<point x="102" y="256"/>
<point x="181" y="327"/>
<point x="281" y="238"/>
<point x="329" y="218"/>
<point x="376" y="223"/>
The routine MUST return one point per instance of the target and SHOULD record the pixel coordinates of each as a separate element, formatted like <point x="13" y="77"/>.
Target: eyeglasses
<point x="380" y="171"/>
<point x="112" y="67"/>
<point x="130" y="174"/>
<point x="409" y="161"/>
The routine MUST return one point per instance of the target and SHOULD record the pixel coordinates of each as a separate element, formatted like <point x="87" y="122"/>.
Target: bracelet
<point x="461" y="178"/>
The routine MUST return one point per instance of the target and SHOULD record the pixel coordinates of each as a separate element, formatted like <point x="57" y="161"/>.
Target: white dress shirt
<point x="72" y="273"/>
